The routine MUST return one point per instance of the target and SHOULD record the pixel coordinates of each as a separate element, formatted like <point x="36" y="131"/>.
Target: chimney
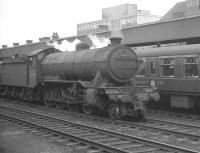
<point x="55" y="36"/>
<point x="44" y="39"/>
<point x="15" y="44"/>
<point x="29" y="41"/>
<point x="114" y="41"/>
<point x="4" y="46"/>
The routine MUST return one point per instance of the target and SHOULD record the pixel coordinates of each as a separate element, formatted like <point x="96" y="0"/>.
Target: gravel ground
<point x="148" y="134"/>
<point x="183" y="118"/>
<point x="15" y="140"/>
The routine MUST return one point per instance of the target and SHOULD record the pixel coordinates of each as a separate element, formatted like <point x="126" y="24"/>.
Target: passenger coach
<point x="175" y="71"/>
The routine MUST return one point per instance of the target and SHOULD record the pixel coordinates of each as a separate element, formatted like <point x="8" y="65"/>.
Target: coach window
<point x="153" y="67"/>
<point x="191" y="66"/>
<point x="168" y="67"/>
<point x="141" y="69"/>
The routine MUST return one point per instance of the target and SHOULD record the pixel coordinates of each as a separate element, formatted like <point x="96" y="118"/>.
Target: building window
<point x="128" y="21"/>
<point x="141" y="69"/>
<point x="123" y="21"/>
<point x="191" y="66"/>
<point x="168" y="67"/>
<point x="153" y="67"/>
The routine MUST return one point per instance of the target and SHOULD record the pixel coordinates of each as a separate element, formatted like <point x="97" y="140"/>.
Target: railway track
<point x="110" y="139"/>
<point x="174" y="127"/>
<point x="89" y="136"/>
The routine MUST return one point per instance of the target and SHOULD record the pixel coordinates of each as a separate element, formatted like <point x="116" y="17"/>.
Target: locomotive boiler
<point x="115" y="63"/>
<point x="89" y="80"/>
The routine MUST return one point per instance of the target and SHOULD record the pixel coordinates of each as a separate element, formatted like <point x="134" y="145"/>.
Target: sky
<point x="22" y="20"/>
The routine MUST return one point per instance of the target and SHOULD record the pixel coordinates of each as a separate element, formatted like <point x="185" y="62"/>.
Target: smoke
<point x="98" y="42"/>
<point x="64" y="45"/>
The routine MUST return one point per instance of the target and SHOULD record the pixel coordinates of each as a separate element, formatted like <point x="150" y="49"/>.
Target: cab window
<point x="40" y="56"/>
<point x="30" y="61"/>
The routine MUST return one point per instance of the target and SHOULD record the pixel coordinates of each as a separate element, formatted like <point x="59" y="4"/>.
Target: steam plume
<point x="65" y="45"/>
<point x="98" y="42"/>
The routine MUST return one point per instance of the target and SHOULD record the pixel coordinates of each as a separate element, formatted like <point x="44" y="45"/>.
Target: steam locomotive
<point x="176" y="72"/>
<point x="89" y="80"/>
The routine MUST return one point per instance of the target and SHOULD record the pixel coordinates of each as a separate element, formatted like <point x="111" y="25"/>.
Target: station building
<point x="116" y="18"/>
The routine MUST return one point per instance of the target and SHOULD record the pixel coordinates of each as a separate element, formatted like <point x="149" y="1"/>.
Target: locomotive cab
<point x="34" y="65"/>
